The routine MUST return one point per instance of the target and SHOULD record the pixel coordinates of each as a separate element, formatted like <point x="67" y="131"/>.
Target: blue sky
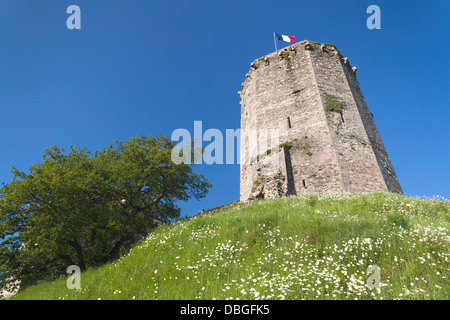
<point x="150" y="67"/>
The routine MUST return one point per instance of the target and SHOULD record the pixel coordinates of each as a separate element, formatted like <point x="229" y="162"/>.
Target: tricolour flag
<point x="285" y="38"/>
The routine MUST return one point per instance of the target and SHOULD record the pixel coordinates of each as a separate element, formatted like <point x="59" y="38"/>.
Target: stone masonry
<point x="306" y="128"/>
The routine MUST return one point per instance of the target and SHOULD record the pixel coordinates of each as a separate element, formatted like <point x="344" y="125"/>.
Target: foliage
<point x="332" y="103"/>
<point x="86" y="209"/>
<point x="286" y="56"/>
<point x="294" y="144"/>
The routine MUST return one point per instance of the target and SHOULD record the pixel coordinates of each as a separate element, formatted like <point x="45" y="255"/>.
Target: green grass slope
<point x="317" y="247"/>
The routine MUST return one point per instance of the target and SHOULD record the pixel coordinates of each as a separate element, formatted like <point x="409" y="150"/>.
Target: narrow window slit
<point x="289" y="122"/>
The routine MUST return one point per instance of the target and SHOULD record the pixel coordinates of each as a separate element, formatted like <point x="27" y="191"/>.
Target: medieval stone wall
<point x="293" y="142"/>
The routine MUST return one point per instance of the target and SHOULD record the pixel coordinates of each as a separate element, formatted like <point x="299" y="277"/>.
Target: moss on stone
<point x="286" y="56"/>
<point x="332" y="103"/>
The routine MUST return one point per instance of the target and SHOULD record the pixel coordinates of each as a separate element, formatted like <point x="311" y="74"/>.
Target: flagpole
<point x="274" y="41"/>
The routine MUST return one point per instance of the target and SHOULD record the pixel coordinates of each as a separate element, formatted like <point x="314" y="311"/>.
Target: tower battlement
<point x="311" y="129"/>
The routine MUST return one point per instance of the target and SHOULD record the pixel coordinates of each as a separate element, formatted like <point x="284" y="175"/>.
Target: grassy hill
<point x="316" y="247"/>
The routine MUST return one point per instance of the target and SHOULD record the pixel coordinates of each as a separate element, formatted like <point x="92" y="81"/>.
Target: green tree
<point x="85" y="209"/>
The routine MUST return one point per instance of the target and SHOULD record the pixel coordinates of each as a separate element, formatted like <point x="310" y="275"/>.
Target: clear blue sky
<point x="150" y="67"/>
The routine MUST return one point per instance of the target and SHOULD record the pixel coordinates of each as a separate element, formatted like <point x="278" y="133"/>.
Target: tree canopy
<point x="83" y="208"/>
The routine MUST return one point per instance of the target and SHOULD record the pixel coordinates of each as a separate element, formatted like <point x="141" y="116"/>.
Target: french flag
<point x="284" y="38"/>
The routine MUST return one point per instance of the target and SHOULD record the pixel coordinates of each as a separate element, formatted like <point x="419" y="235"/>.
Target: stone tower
<point x="306" y="128"/>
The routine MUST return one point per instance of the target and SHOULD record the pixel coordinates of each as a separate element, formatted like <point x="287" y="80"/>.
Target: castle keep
<point x="306" y="128"/>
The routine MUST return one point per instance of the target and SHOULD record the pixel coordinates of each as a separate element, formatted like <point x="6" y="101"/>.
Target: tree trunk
<point x="79" y="252"/>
